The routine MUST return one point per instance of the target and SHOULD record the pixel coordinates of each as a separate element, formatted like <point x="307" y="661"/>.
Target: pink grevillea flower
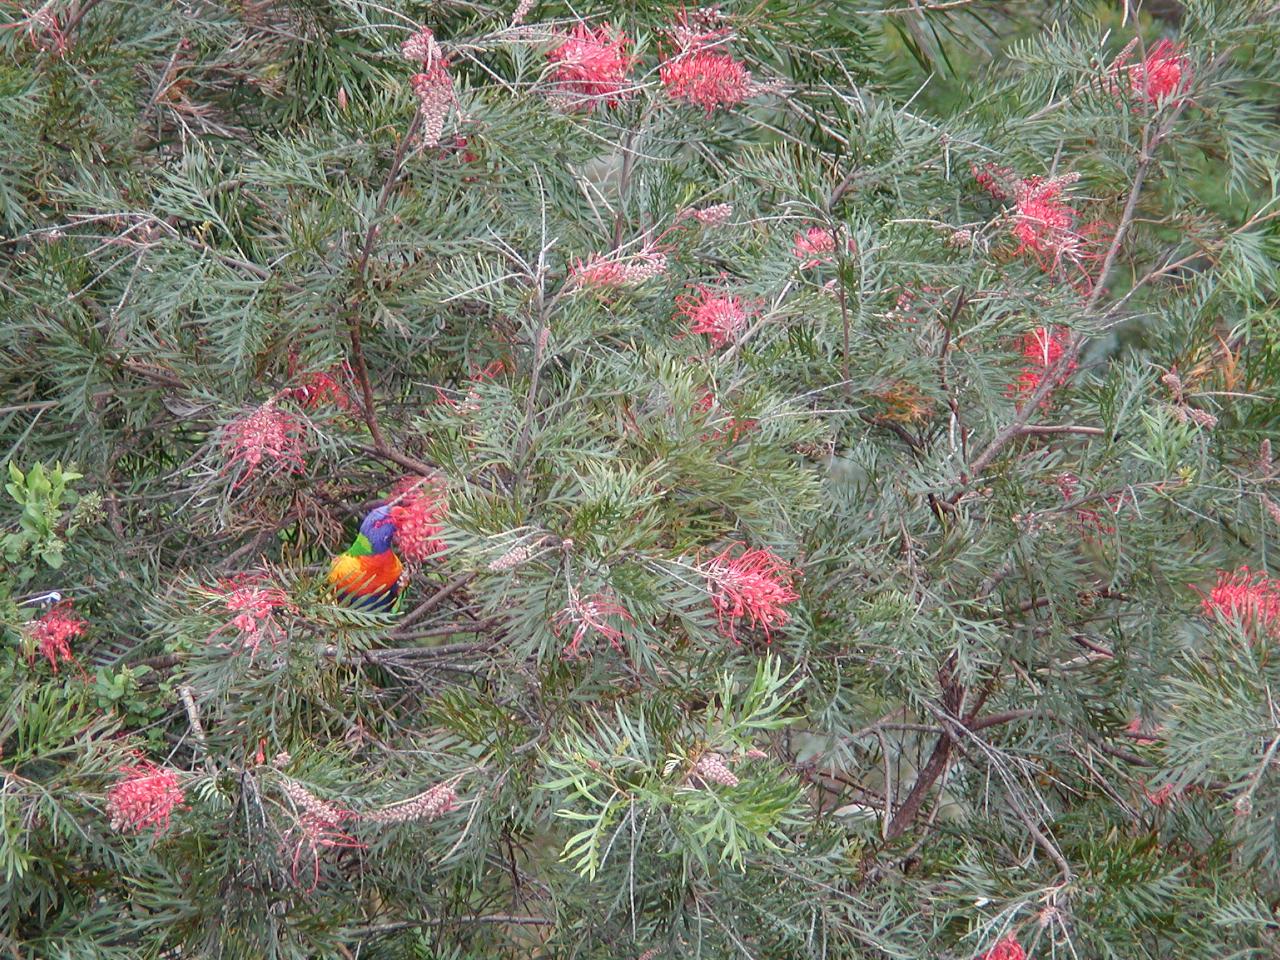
<point x="428" y="805"/>
<point x="434" y="90"/>
<point x="53" y="633"/>
<point x="422" y="48"/>
<point x="588" y="615"/>
<point x="317" y="828"/>
<point x="708" y="78"/>
<point x="1007" y="948"/>
<point x="324" y="388"/>
<point x="254" y="602"/>
<point x="267" y="437"/>
<point x="1245" y="597"/>
<point x="753" y="586"/>
<point x="418" y="507"/>
<point x="1044" y="224"/>
<point x="716" y="215"/>
<point x="816" y="246"/>
<point x="613" y="271"/>
<point x="145" y="796"/>
<point x="1043" y="348"/>
<point x="591" y="66"/>
<point x="1162" y="73"/>
<point x="720" y="315"/>
<point x="711" y="768"/>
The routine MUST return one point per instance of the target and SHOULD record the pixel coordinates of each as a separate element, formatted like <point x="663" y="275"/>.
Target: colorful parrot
<point x="367" y="575"/>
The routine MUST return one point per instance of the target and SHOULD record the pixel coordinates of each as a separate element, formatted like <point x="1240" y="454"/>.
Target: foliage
<point x="843" y="427"/>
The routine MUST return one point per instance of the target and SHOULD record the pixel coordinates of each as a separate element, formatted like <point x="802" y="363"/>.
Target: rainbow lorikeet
<point x="367" y="575"/>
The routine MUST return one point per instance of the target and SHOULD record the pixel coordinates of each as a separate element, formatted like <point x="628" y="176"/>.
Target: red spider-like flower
<point x="418" y="507"/>
<point x="269" y="436"/>
<point x="145" y="796"/>
<point x="1245" y="597"/>
<point x="754" y="586"/>
<point x="1044" y="348"/>
<point x="725" y="428"/>
<point x="1007" y="948"/>
<point x="253" y="602"/>
<point x="816" y="246"/>
<point x="997" y="181"/>
<point x="706" y="77"/>
<point x="1161" y="74"/>
<point x="589" y="615"/>
<point x="53" y="633"/>
<point x="720" y="315"/>
<point x="324" y="388"/>
<point x="317" y="827"/>
<point x="591" y="66"/>
<point x="612" y="272"/>
<point x="1044" y="224"/>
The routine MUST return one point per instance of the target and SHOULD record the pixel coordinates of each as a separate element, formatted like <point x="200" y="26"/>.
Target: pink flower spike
<point x="1247" y="598"/>
<point x="589" y="615"/>
<point x="591" y="66"/>
<point x="422" y="48"/>
<point x="145" y="796"/>
<point x="53" y="633"/>
<point x="716" y="313"/>
<point x="418" y="507"/>
<point x="268" y="436"/>
<point x="1007" y="948"/>
<point x="754" y="586"/>
<point x="816" y="246"/>
<point x="716" y="215"/>
<point x="435" y="93"/>
<point x="613" y="272"/>
<point x="707" y="78"/>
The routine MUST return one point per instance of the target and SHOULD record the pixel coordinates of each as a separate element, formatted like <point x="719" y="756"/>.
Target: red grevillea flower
<point x="706" y="77"/>
<point x="1043" y="348"/>
<point x="589" y="615"/>
<point x="612" y="271"/>
<point x="816" y="246"/>
<point x="753" y="586"/>
<point x="267" y="436"/>
<point x="1245" y="597"/>
<point x="324" y="388"/>
<point x="718" y="314"/>
<point x="1044" y="224"/>
<point x="1007" y="948"/>
<point x="317" y="828"/>
<point x="591" y="66"/>
<point x="418" y="507"/>
<point x="145" y="796"/>
<point x="997" y="181"/>
<point x="53" y="633"/>
<point x="253" y="601"/>
<point x="1161" y="74"/>
<point x="726" y="428"/>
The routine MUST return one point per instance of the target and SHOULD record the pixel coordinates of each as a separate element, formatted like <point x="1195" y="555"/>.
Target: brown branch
<point x="450" y="588"/>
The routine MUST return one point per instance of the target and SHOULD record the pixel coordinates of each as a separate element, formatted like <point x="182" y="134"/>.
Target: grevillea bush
<point x="829" y="445"/>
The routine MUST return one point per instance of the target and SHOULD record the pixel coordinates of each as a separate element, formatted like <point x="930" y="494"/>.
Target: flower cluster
<point x="588" y="615"/>
<point x="817" y="245"/>
<point x="145" y="796"/>
<point x="1044" y="224"/>
<point x="433" y="86"/>
<point x="720" y="315"/>
<point x="1245" y="597"/>
<point x="267" y="436"/>
<point x="701" y="72"/>
<point x="754" y="586"/>
<point x="711" y="768"/>
<point x="429" y="805"/>
<point x="471" y="404"/>
<point x="418" y="507"/>
<point x="997" y="181"/>
<point x="1159" y="77"/>
<point x="716" y="215"/>
<point x="317" y="827"/>
<point x="1043" y="348"/>
<point x="591" y="66"/>
<point x="613" y="271"/>
<point x="53" y="633"/>
<point x="324" y="388"/>
<point x="254" y="602"/>
<point x="1008" y="948"/>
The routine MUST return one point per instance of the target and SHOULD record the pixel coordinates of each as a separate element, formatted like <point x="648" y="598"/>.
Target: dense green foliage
<point x="1000" y="456"/>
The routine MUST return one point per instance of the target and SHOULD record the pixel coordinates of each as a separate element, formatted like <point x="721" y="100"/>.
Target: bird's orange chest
<point x="369" y="574"/>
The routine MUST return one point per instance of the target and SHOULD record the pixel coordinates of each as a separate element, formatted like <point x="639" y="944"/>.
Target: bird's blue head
<point x="379" y="529"/>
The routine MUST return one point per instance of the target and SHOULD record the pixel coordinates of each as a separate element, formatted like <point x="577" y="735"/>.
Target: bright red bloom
<point x="268" y="435"/>
<point x="418" y="507"/>
<point x="53" y="633"/>
<point x="1160" y="75"/>
<point x="719" y="315"/>
<point x="1250" y="599"/>
<point x="1044" y="224"/>
<point x="706" y="77"/>
<point x="754" y="586"/>
<point x="611" y="271"/>
<point x="1007" y="949"/>
<point x="591" y="66"/>
<point x="145" y="796"/>
<point x="321" y="388"/>
<point x="1044" y="348"/>
<point x="253" y="602"/>
<point x="589" y="615"/>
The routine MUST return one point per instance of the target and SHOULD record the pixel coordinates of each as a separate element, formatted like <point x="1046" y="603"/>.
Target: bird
<point x="367" y="575"/>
